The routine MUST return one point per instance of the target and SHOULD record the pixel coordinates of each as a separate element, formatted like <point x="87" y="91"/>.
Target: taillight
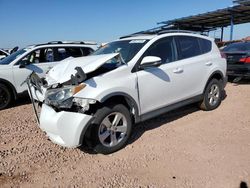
<point x="245" y="60"/>
<point x="223" y="55"/>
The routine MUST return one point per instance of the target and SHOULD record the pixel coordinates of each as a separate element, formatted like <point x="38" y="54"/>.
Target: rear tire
<point x="111" y="129"/>
<point x="212" y="96"/>
<point x="5" y="96"/>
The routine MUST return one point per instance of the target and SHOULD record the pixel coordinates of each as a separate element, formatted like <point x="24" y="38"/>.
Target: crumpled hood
<point x="62" y="72"/>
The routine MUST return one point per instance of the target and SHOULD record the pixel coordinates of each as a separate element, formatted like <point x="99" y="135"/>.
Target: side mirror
<point x="150" y="61"/>
<point x="23" y="64"/>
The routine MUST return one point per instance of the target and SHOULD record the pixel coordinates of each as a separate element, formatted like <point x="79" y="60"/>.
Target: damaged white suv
<point x="95" y="100"/>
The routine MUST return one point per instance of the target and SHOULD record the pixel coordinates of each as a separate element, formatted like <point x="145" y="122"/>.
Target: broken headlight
<point x="62" y="97"/>
<point x="84" y="103"/>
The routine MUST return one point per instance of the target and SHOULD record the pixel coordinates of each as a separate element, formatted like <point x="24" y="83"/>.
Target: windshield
<point x="12" y="57"/>
<point x="242" y="46"/>
<point x="127" y="48"/>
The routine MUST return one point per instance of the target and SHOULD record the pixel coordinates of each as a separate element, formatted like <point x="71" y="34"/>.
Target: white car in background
<point x="97" y="99"/>
<point x="39" y="58"/>
<point x="3" y="54"/>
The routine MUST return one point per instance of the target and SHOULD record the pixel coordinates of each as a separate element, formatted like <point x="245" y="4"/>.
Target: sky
<point x="25" y="22"/>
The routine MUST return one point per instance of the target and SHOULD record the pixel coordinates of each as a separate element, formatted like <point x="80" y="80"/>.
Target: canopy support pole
<point x="232" y="26"/>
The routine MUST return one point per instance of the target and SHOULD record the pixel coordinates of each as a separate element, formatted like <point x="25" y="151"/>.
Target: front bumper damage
<point x="64" y="128"/>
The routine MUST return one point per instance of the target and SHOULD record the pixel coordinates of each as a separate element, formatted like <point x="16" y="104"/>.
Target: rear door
<point x="195" y="60"/>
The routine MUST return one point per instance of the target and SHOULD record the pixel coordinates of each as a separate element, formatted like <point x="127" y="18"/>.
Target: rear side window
<point x="188" y="47"/>
<point x="86" y="51"/>
<point x="74" y="52"/>
<point x="65" y="52"/>
<point x="206" y="45"/>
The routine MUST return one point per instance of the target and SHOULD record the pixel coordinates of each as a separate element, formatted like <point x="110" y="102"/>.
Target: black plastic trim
<point x="224" y="79"/>
<point x="127" y="96"/>
<point x="168" y="108"/>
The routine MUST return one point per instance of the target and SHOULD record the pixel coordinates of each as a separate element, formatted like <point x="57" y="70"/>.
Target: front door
<point x="157" y="85"/>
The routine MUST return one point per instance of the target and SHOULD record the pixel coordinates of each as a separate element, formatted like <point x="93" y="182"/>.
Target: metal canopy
<point x="220" y="18"/>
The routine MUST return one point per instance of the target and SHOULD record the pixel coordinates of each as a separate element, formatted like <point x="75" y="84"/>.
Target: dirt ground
<point x="184" y="148"/>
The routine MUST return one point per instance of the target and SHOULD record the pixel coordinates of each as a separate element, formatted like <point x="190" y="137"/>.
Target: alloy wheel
<point x="213" y="95"/>
<point x="113" y="129"/>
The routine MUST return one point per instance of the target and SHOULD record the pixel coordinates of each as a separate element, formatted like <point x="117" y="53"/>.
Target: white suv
<point x="39" y="58"/>
<point x="97" y="99"/>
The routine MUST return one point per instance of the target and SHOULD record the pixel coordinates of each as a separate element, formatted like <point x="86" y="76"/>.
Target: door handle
<point x="178" y="70"/>
<point x="209" y="63"/>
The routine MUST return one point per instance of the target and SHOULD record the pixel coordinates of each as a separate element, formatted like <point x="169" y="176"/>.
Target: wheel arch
<point x="123" y="98"/>
<point x="118" y="97"/>
<point x="10" y="86"/>
<point x="215" y="75"/>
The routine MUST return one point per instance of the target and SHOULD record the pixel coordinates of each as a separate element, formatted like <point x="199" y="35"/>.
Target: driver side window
<point x="163" y="48"/>
<point x="43" y="55"/>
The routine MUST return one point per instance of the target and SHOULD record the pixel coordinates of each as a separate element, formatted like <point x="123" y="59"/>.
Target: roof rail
<point x="135" y="34"/>
<point x="175" y="31"/>
<point x="79" y="42"/>
<point x="158" y="31"/>
<point x="55" y="42"/>
<point x="68" y="42"/>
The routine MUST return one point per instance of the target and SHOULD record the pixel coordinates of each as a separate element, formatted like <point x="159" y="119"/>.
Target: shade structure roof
<point x="237" y="14"/>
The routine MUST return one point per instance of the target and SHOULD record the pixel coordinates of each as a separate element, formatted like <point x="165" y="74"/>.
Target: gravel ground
<point x="184" y="148"/>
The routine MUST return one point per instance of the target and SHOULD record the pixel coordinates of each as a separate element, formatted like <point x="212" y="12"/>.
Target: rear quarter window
<point x="205" y="45"/>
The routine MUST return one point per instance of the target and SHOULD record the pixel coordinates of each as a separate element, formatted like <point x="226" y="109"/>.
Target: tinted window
<point x="62" y="54"/>
<point x="188" y="47"/>
<point x="65" y="52"/>
<point x="74" y="52"/>
<point x="241" y="46"/>
<point x="163" y="48"/>
<point x="206" y="45"/>
<point x="86" y="51"/>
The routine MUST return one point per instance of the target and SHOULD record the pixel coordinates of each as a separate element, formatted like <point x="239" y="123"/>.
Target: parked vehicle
<point x="238" y="59"/>
<point x="97" y="99"/>
<point x="39" y="58"/>
<point x="3" y="54"/>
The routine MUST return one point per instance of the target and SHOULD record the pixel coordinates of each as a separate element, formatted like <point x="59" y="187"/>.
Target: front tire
<point x="111" y="129"/>
<point x="5" y="96"/>
<point x="212" y="95"/>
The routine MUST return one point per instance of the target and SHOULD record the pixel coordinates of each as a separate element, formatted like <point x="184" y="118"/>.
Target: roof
<point x="212" y="20"/>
